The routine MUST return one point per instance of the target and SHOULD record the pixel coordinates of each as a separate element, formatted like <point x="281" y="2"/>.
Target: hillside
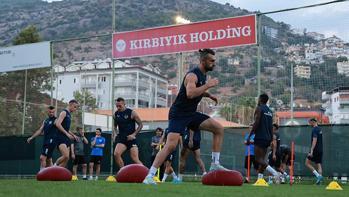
<point x="236" y="66"/>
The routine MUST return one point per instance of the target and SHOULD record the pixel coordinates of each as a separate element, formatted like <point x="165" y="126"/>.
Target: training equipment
<point x="110" y="179"/>
<point x="156" y="179"/>
<point x="261" y="183"/>
<point x="54" y="173"/>
<point x="74" y="178"/>
<point x="223" y="178"/>
<point x="133" y="173"/>
<point x="334" y="186"/>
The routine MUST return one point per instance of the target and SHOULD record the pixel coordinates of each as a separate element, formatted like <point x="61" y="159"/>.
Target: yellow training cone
<point x="74" y="178"/>
<point x="111" y="179"/>
<point x="261" y="182"/>
<point x="156" y="179"/>
<point x="334" y="186"/>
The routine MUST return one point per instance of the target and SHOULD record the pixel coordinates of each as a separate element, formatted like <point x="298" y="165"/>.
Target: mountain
<point x="237" y="66"/>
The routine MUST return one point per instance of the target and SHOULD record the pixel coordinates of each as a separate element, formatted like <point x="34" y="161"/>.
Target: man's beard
<point x="208" y="68"/>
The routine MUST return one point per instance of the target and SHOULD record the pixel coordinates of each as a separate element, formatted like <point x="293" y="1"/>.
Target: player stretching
<point x="50" y="131"/>
<point x="315" y="154"/>
<point x="64" y="135"/>
<point x="183" y="113"/>
<point x="125" y="120"/>
<point x="263" y="130"/>
<point x="191" y="143"/>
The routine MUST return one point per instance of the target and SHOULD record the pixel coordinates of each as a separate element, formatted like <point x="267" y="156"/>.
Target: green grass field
<point x="27" y="187"/>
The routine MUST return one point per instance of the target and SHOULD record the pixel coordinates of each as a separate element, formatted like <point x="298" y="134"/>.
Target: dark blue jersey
<point x="50" y="130"/>
<point x="317" y="133"/>
<point x="126" y="125"/>
<point x="184" y="105"/>
<point x="264" y="130"/>
<point x="66" y="122"/>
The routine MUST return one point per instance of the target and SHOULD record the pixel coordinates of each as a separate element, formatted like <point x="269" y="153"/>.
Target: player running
<point x="183" y="113"/>
<point x="50" y="131"/>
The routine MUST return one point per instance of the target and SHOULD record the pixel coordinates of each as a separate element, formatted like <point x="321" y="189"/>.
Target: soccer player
<point x="97" y="145"/>
<point x="50" y="131"/>
<point x="275" y="156"/>
<point x="191" y="143"/>
<point x="168" y="162"/>
<point x="78" y="154"/>
<point x="285" y="156"/>
<point x="250" y="148"/>
<point x="183" y="113"/>
<point x="64" y="136"/>
<point x="315" y="153"/>
<point x="262" y="128"/>
<point x="125" y="120"/>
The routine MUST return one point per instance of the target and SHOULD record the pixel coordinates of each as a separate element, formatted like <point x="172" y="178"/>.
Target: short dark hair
<point x="204" y="53"/>
<point x="73" y="101"/>
<point x="264" y="98"/>
<point x="312" y="120"/>
<point x="50" y="107"/>
<point x="99" y="129"/>
<point x="158" y="129"/>
<point x="276" y="126"/>
<point x="78" y="128"/>
<point x="120" y="99"/>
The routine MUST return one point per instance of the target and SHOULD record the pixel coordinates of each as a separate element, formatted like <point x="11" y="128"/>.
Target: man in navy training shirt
<point x="65" y="136"/>
<point x="263" y="130"/>
<point x="50" y="131"/>
<point x="97" y="145"/>
<point x="183" y="113"/>
<point x="315" y="153"/>
<point x="125" y="120"/>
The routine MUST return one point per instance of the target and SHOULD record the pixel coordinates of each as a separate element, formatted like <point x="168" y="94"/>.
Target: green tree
<point x="12" y="92"/>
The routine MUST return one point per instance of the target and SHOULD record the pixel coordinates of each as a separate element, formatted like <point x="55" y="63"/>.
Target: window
<point x="60" y="81"/>
<point x="74" y="80"/>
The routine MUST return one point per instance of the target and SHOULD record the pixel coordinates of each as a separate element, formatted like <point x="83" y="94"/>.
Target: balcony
<point x="125" y="83"/>
<point x="88" y="85"/>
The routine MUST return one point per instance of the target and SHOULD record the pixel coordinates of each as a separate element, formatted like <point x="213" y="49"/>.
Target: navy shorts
<point x="171" y="156"/>
<point x="47" y="150"/>
<point x="178" y="124"/>
<point x="262" y="143"/>
<point x="128" y="143"/>
<point x="316" y="158"/>
<point x="96" y="159"/>
<point x="63" y="140"/>
<point x="196" y="145"/>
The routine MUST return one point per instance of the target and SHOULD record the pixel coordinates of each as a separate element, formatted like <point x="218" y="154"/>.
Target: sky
<point x="329" y="19"/>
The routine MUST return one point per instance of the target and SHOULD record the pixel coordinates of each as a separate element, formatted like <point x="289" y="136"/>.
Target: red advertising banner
<point x="220" y="33"/>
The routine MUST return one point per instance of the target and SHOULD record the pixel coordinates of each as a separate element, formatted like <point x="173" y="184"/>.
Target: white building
<point x="343" y="68"/>
<point x="140" y="86"/>
<point x="337" y="105"/>
<point x="302" y="71"/>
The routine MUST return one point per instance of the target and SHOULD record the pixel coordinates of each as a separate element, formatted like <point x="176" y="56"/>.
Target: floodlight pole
<point x="112" y="89"/>
<point x="259" y="25"/>
<point x="292" y="92"/>
<point x="24" y="100"/>
<point x="52" y="71"/>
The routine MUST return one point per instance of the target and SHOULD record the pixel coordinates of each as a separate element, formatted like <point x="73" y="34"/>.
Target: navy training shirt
<point x="317" y="133"/>
<point x="50" y="130"/>
<point x="184" y="105"/>
<point x="125" y="123"/>
<point x="265" y="128"/>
